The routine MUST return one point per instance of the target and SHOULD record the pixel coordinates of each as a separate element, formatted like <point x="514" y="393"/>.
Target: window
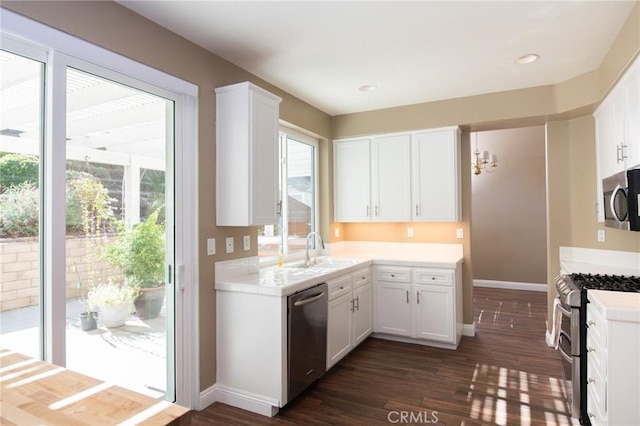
<point x="298" y="192"/>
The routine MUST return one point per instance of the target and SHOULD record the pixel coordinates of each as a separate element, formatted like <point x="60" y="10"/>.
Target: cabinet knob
<point x="591" y="380"/>
<point x="591" y="349"/>
<point x="433" y="278"/>
<point x="591" y="415"/>
<point x="591" y="323"/>
<point x="341" y="287"/>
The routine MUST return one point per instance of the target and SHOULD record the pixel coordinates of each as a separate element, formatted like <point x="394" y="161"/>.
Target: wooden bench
<point x="34" y="392"/>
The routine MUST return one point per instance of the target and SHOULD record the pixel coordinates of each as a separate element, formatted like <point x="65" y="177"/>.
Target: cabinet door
<point x="339" y="328"/>
<point x="616" y="137"/>
<point x="393" y="308"/>
<point x="363" y="313"/>
<point x="436" y="176"/>
<point x="246" y="156"/>
<point x="391" y="179"/>
<point x="264" y="195"/>
<point x="352" y="190"/>
<point x="605" y="151"/>
<point x="631" y="147"/>
<point x="434" y="316"/>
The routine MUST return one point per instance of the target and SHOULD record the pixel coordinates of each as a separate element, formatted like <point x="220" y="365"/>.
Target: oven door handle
<point x="564" y="310"/>
<point x="563" y="336"/>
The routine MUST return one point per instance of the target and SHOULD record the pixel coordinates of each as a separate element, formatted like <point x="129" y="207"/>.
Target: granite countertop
<point x="617" y="305"/>
<point x="291" y="278"/>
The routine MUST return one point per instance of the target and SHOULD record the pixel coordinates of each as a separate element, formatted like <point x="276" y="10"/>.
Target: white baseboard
<point x="236" y="398"/>
<point x="422" y="342"/>
<point x="510" y="285"/>
<point x="469" y="329"/>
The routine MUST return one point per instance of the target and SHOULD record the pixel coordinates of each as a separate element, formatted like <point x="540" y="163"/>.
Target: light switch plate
<point x="460" y="233"/>
<point x="229" y="244"/>
<point x="211" y="246"/>
<point x="246" y="243"/>
<point x="602" y="237"/>
<point x="410" y="232"/>
<point x="336" y="232"/>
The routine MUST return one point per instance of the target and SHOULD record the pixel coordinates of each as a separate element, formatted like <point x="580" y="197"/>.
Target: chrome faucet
<point x="307" y="261"/>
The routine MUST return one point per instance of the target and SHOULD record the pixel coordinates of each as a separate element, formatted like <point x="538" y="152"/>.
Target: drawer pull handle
<point x="418" y="296"/>
<point x="591" y="349"/>
<point x="407" y="296"/>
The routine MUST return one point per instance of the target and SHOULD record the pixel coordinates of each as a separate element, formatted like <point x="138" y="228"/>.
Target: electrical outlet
<point x="229" y="244"/>
<point x="246" y="243"/>
<point x="336" y="232"/>
<point x="211" y="246"/>
<point x="410" y="232"/>
<point x="601" y="236"/>
<point x="460" y="233"/>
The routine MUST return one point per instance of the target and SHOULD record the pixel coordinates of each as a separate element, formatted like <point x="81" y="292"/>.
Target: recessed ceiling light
<point x="526" y="59"/>
<point x="368" y="88"/>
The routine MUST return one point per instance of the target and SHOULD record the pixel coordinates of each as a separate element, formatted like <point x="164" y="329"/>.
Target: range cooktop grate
<point x="607" y="282"/>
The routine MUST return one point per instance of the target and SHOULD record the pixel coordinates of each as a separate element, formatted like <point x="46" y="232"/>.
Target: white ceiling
<point x="419" y="51"/>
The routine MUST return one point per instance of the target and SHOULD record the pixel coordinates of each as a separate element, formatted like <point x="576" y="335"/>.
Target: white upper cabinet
<point x="246" y="156"/>
<point x="391" y="178"/>
<point x="352" y="180"/>
<point x="398" y="177"/>
<point x="617" y="122"/>
<point x="436" y="176"/>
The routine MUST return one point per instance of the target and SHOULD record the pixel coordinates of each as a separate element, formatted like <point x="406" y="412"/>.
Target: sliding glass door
<point x="21" y="130"/>
<point x="87" y="221"/>
<point x="119" y="242"/>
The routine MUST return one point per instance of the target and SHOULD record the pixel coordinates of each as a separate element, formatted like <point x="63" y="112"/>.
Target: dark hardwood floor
<point x="505" y="375"/>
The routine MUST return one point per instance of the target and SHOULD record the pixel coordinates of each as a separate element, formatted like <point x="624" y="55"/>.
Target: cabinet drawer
<point x="595" y="351"/>
<point x="361" y="277"/>
<point x="339" y="286"/>
<point x="595" y="324"/>
<point x="595" y="385"/>
<point x="394" y="275"/>
<point x="593" y="411"/>
<point x="433" y="276"/>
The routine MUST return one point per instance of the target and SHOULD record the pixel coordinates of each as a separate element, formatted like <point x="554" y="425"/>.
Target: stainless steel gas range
<point x="573" y="300"/>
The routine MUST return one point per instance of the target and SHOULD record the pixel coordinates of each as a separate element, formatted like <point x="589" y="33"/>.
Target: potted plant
<point x="88" y="318"/>
<point x="114" y="301"/>
<point x="140" y="254"/>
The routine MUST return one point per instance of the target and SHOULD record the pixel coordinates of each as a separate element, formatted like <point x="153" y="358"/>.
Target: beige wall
<point x="509" y="208"/>
<point x="116" y="28"/>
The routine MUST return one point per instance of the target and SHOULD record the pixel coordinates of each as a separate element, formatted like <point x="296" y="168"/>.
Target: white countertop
<point x="617" y="305"/>
<point x="344" y="258"/>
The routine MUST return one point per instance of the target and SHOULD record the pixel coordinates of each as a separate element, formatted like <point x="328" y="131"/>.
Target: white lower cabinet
<point x="419" y="303"/>
<point x="613" y="369"/>
<point x="350" y="313"/>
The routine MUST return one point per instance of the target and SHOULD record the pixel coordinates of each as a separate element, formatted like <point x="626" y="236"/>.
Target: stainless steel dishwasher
<point x="307" y="337"/>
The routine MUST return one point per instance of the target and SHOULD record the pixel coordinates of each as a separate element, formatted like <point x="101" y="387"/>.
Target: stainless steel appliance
<point x="307" y="338"/>
<point x="621" y="200"/>
<point x="572" y="343"/>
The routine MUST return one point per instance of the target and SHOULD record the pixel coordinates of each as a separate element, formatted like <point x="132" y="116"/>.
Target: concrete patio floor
<point x="132" y="356"/>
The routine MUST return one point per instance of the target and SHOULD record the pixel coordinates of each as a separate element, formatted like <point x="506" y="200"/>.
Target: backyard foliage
<point x="16" y="169"/>
<point x="19" y="211"/>
<point x="140" y="252"/>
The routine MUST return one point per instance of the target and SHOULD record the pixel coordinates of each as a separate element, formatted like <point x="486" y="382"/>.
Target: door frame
<point x="65" y="50"/>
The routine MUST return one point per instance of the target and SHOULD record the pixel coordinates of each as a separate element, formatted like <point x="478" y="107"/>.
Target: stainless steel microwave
<point x="621" y="200"/>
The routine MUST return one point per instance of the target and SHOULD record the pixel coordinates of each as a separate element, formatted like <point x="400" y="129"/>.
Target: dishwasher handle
<point x="309" y="299"/>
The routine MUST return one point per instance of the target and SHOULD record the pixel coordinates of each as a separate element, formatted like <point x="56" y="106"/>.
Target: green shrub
<point x="19" y="211"/>
<point x="16" y="169"/>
